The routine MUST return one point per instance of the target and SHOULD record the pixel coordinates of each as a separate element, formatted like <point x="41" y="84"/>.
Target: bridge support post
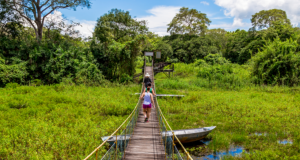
<point x="165" y="139"/>
<point x="125" y="144"/>
<point x="116" y="146"/>
<point x="96" y="154"/>
<point x="173" y="144"/>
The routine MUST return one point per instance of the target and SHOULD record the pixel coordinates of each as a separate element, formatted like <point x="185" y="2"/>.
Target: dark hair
<point x="149" y="84"/>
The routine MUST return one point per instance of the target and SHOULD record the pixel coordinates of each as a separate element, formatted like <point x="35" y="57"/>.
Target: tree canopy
<point x="118" y="25"/>
<point x="35" y="11"/>
<point x="9" y="21"/>
<point x="118" y="40"/>
<point x="188" y="21"/>
<point x="265" y="18"/>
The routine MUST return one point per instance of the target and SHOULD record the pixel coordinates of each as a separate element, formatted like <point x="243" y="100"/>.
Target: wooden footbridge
<point x="146" y="141"/>
<point x="139" y="140"/>
<point x="163" y="67"/>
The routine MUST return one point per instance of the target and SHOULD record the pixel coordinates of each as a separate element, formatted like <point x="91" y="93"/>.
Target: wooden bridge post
<point x="116" y="146"/>
<point x="125" y="144"/>
<point x="165" y="140"/>
<point x="173" y="147"/>
<point x="97" y="154"/>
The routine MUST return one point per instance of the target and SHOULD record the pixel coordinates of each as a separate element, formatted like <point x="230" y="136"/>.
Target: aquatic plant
<point x="60" y="121"/>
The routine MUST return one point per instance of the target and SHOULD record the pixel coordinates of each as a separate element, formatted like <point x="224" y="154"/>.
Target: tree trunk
<point x="39" y="23"/>
<point x="39" y="31"/>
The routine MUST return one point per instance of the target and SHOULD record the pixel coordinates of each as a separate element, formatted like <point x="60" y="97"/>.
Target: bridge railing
<point x="168" y="136"/>
<point x="121" y="137"/>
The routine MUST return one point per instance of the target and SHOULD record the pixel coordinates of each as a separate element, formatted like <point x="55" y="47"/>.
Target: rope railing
<point x="119" y="144"/>
<point x="117" y="150"/>
<point x="168" y="136"/>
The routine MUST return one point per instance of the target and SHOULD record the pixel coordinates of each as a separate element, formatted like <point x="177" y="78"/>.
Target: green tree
<point x="188" y="48"/>
<point x="118" y="40"/>
<point x="188" y="21"/>
<point x="155" y="42"/>
<point x="243" y="45"/>
<point x="35" y="11"/>
<point x="220" y="36"/>
<point x="118" y="25"/>
<point x="278" y="63"/>
<point x="265" y="18"/>
<point x="237" y="40"/>
<point x="9" y="22"/>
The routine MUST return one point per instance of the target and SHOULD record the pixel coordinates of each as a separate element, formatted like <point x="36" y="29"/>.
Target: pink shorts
<point x="145" y="106"/>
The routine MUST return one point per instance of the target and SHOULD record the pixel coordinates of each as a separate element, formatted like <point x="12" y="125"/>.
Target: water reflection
<point x="205" y="141"/>
<point x="285" y="141"/>
<point x="232" y="152"/>
<point x="260" y="134"/>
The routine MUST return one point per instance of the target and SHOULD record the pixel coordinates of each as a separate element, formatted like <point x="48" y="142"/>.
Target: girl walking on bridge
<point x="148" y="101"/>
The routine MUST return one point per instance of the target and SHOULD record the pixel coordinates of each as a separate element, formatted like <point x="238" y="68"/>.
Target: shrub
<point x="227" y="76"/>
<point x="215" y="72"/>
<point x="215" y="59"/>
<point x="36" y="82"/>
<point x="12" y="73"/>
<point x="17" y="104"/>
<point x="278" y="63"/>
<point x="125" y="78"/>
<point x="12" y="85"/>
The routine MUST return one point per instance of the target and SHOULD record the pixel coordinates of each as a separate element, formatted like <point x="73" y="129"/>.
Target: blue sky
<point x="226" y="14"/>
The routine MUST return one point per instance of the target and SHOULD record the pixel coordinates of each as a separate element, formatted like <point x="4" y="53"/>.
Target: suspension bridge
<point x="134" y="139"/>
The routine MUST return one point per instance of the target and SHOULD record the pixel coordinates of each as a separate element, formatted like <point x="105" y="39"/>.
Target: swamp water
<point x="203" y="155"/>
<point x="284" y="141"/>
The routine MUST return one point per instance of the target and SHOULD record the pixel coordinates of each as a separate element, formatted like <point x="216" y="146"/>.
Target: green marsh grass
<point x="60" y="122"/>
<point x="238" y="112"/>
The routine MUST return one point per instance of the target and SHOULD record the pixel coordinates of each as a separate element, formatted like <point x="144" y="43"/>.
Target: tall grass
<point x="238" y="115"/>
<point x="195" y="77"/>
<point x="224" y="96"/>
<point x="59" y="121"/>
<point x="218" y="77"/>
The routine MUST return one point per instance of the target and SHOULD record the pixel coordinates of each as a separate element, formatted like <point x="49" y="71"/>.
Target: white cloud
<point x="55" y="16"/>
<point x="219" y="17"/>
<point x="205" y="3"/>
<point x="87" y="28"/>
<point x="159" y="18"/>
<point x="243" y="9"/>
<point x="226" y="26"/>
<point x="230" y="26"/>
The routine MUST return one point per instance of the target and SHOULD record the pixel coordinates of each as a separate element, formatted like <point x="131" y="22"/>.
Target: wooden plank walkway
<point x="146" y="142"/>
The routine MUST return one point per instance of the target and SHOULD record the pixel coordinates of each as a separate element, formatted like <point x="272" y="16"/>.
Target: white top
<point x="147" y="98"/>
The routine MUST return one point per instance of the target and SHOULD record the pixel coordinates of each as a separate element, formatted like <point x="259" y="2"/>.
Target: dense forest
<point x="35" y="50"/>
